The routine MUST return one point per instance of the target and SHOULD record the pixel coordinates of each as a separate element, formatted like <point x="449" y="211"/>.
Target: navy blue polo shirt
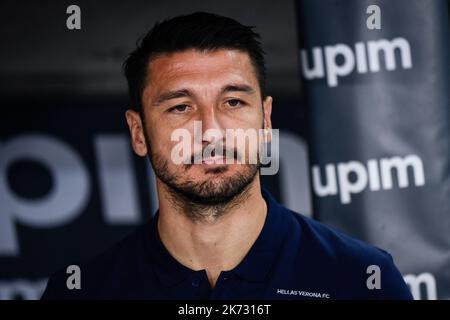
<point x="294" y="257"/>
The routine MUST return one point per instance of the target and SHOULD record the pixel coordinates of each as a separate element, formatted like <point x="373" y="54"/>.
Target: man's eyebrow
<point x="168" y="95"/>
<point x="181" y="93"/>
<point x="238" y="87"/>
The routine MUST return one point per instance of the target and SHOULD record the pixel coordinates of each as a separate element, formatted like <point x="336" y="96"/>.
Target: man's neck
<point x="212" y="244"/>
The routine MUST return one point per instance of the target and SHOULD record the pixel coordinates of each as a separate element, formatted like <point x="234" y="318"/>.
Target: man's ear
<point x="267" y="109"/>
<point x="136" y="128"/>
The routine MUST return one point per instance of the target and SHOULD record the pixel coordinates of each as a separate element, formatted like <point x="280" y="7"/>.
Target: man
<point x="217" y="234"/>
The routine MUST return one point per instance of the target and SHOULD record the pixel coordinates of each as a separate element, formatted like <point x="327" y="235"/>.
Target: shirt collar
<point x="254" y="267"/>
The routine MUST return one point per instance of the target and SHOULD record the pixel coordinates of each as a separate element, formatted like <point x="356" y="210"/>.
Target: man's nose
<point x="211" y="126"/>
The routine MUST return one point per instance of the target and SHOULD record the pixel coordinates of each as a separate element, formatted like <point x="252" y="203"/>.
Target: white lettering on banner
<point x="333" y="70"/>
<point x="417" y="283"/>
<point x="338" y="181"/>
<point x="294" y="186"/>
<point x="22" y="288"/>
<point x="71" y="189"/>
<point x="114" y="167"/>
<point x="67" y="198"/>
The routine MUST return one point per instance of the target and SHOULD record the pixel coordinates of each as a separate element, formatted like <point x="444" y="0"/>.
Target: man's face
<point x="218" y="88"/>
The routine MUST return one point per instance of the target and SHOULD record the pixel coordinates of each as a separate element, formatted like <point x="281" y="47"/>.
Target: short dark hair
<point x="202" y="31"/>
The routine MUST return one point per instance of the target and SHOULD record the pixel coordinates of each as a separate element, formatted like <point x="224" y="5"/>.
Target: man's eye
<point x="235" y="103"/>
<point x="179" y="108"/>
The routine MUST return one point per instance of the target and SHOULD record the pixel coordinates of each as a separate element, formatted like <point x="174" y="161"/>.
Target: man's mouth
<point x="214" y="160"/>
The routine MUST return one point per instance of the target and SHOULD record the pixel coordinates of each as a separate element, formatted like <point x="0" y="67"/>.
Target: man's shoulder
<point x="334" y="242"/>
<point x="350" y="260"/>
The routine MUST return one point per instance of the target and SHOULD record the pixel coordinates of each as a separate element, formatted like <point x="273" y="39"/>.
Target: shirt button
<point x="195" y="282"/>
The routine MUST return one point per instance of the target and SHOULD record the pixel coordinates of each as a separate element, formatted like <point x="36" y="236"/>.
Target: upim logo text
<point x="378" y="175"/>
<point x="363" y="62"/>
